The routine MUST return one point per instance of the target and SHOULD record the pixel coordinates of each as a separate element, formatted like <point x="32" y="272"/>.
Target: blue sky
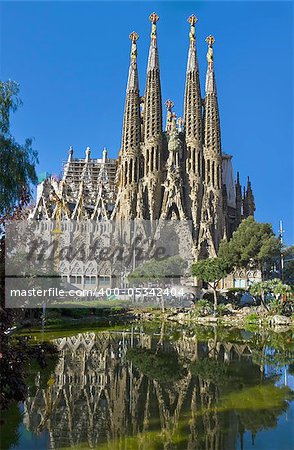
<point x="71" y="60"/>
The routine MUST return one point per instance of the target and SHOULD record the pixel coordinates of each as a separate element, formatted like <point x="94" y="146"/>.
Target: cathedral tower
<point x="193" y="130"/>
<point x="150" y="195"/>
<point x="131" y="137"/>
<point x="211" y="226"/>
<point x="238" y="201"/>
<point x="248" y="201"/>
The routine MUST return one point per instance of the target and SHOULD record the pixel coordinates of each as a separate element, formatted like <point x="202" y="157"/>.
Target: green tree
<point x="211" y="271"/>
<point x="17" y="168"/>
<point x="252" y="243"/>
<point x="159" y="365"/>
<point x="274" y="286"/>
<point x="159" y="270"/>
<point x="288" y="273"/>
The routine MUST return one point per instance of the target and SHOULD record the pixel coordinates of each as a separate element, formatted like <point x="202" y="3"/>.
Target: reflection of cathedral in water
<point x="98" y="395"/>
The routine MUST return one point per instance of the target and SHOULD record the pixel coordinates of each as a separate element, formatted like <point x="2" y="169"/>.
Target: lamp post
<point x="281" y="232"/>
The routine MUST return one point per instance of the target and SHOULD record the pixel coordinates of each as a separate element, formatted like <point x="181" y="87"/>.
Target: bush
<point x="252" y="318"/>
<point x="275" y="306"/>
<point x="222" y="310"/>
<point x="202" y="308"/>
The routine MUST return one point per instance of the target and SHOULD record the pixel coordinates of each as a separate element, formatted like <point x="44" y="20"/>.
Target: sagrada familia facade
<point x="177" y="173"/>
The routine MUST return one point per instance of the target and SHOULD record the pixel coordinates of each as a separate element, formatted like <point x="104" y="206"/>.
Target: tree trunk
<point x="263" y="301"/>
<point x="215" y="302"/>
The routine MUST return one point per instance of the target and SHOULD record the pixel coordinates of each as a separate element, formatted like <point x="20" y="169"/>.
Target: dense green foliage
<point x="252" y="243"/>
<point x="159" y="270"/>
<point x="274" y="287"/>
<point x="158" y="365"/>
<point x="17" y="168"/>
<point x="19" y="364"/>
<point x="211" y="270"/>
<point x="288" y="272"/>
<point x="210" y="369"/>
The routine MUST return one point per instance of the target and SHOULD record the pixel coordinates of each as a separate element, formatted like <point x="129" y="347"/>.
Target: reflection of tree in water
<point x="182" y="394"/>
<point x="10" y="425"/>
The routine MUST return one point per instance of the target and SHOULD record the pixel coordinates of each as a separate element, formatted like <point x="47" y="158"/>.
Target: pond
<point x="152" y="386"/>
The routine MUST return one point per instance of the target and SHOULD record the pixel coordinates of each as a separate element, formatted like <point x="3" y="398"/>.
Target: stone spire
<point x="238" y="201"/>
<point x="131" y="137"/>
<point x="248" y="201"/>
<point x="131" y="124"/>
<point x="212" y="224"/>
<point x="193" y="131"/>
<point x="192" y="106"/>
<point x="211" y="114"/>
<point x="153" y="102"/>
<point x="152" y="126"/>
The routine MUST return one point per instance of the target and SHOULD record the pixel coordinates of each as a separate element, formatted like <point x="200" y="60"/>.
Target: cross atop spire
<point x="193" y="102"/>
<point x="210" y="82"/>
<point x="169" y="105"/>
<point x="133" y="75"/>
<point x="153" y="55"/>
<point x="210" y="41"/>
<point x="153" y="19"/>
<point x="192" y="57"/>
<point x="192" y="21"/>
<point x="134" y="37"/>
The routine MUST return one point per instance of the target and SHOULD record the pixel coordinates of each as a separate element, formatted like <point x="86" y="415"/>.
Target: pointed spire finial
<point x="133" y="75"/>
<point x="153" y="19"/>
<point x="192" y="21"/>
<point x="134" y="37"/>
<point x="238" y="177"/>
<point x="210" y="41"/>
<point x="169" y="105"/>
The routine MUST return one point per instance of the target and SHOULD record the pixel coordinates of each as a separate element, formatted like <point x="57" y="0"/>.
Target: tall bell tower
<point x="150" y="189"/>
<point x="130" y="149"/>
<point x="211" y="224"/>
<point x="193" y="131"/>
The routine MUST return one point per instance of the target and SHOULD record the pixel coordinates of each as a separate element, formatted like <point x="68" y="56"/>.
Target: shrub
<point x="252" y="318"/>
<point x="222" y="310"/>
<point x="275" y="306"/>
<point x="203" y="308"/>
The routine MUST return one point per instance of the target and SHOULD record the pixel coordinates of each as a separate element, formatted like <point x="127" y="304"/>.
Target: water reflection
<point x="129" y="390"/>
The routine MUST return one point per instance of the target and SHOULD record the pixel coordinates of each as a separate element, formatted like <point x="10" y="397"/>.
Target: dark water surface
<point x="153" y="387"/>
